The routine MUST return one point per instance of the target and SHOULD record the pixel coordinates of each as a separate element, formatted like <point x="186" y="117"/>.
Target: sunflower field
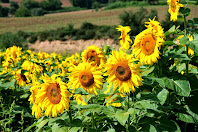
<point x="150" y="84"/>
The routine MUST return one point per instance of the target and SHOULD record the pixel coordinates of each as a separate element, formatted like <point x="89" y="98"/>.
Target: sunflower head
<point x="122" y="72"/>
<point x="36" y="109"/>
<point x="53" y="96"/>
<point x="147" y="45"/>
<point x="22" y="78"/>
<point x="87" y="77"/>
<point x="94" y="55"/>
<point x="124" y="38"/>
<point x="174" y="7"/>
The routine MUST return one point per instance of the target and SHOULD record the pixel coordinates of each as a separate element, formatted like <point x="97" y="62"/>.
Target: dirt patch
<point x="70" y="46"/>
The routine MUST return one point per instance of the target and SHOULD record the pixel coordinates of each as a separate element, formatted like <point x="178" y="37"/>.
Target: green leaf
<point x="8" y="84"/>
<point x="184" y="40"/>
<point x="80" y="91"/>
<point x="147" y="71"/>
<point x="92" y="107"/>
<point x="111" y="130"/>
<point x="57" y="128"/>
<point x="171" y="30"/>
<point x="143" y="104"/>
<point x="185" y="11"/>
<point x="185" y="118"/>
<point x="181" y="87"/>
<point x="122" y="116"/>
<point x="167" y="125"/>
<point x="152" y="129"/>
<point x="162" y="96"/>
<point x="113" y="97"/>
<point x="42" y="124"/>
<point x="86" y="98"/>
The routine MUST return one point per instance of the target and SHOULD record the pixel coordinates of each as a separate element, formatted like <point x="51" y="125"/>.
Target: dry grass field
<point x="54" y="21"/>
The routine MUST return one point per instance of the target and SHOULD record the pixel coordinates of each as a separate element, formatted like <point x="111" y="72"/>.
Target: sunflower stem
<point x="92" y="117"/>
<point x="185" y="30"/>
<point x="128" y="122"/>
<point x="70" y="116"/>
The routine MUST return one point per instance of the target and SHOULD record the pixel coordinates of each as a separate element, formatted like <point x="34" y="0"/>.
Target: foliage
<point x="22" y="12"/>
<point x="51" y="4"/>
<point x="29" y="4"/>
<point x="13" y="7"/>
<point x="4" y="11"/>
<point x="136" y="20"/>
<point x="9" y="39"/>
<point x="166" y="101"/>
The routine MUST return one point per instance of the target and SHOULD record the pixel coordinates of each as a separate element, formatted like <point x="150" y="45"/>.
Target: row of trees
<point x="30" y="8"/>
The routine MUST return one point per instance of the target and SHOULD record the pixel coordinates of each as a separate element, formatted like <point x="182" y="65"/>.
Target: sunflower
<point x="36" y="109"/>
<point x="79" y="99"/>
<point x="122" y="72"/>
<point x="146" y="46"/>
<point x="22" y="79"/>
<point x="190" y="51"/>
<point x="53" y="95"/>
<point x="94" y="55"/>
<point x="174" y="7"/>
<point x="155" y="27"/>
<point x="87" y="77"/>
<point x="125" y="38"/>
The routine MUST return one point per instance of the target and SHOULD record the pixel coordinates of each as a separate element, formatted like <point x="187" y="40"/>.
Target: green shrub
<point x="137" y="20"/>
<point x="9" y="39"/>
<point x="29" y="4"/>
<point x="38" y="12"/>
<point x="4" y="11"/>
<point x="51" y="4"/>
<point x="22" y="12"/>
<point x="13" y="7"/>
<point x="33" y="38"/>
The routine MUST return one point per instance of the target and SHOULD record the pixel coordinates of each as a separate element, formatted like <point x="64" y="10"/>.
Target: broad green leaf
<point x="57" y="128"/>
<point x="148" y="71"/>
<point x="8" y="84"/>
<point x="162" y="96"/>
<point x="113" y="97"/>
<point x="185" y="118"/>
<point x="80" y="91"/>
<point x="108" y="111"/>
<point x="143" y="104"/>
<point x="171" y="30"/>
<point x="181" y="87"/>
<point x="185" y="11"/>
<point x="86" y="98"/>
<point x="42" y="124"/>
<point x="167" y="125"/>
<point x="92" y="107"/>
<point x="111" y="130"/>
<point x="122" y="116"/>
<point x="74" y="129"/>
<point x="152" y="129"/>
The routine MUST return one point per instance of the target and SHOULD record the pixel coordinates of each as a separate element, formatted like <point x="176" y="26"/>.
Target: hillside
<point x="65" y="3"/>
<point x="54" y="21"/>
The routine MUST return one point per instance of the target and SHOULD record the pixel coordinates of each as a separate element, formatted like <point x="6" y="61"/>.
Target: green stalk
<point x="70" y="116"/>
<point x="128" y="122"/>
<point x="185" y="30"/>
<point x="92" y="117"/>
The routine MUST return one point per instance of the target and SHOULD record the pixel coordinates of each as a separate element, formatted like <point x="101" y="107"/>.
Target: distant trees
<point x="4" y="11"/>
<point x="5" y="1"/>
